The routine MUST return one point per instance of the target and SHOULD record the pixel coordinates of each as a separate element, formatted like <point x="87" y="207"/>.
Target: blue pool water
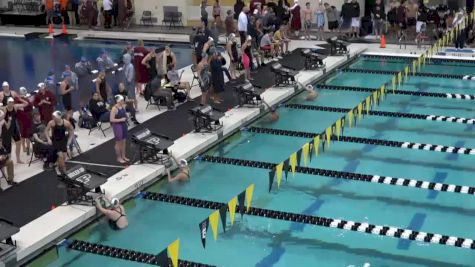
<point x="256" y="241"/>
<point x="27" y="62"/>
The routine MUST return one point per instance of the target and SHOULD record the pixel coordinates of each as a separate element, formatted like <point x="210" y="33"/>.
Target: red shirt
<point x="46" y="110"/>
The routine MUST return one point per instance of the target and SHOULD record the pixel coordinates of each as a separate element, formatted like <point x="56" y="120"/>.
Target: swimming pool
<point x="26" y="62"/>
<point x="258" y="241"/>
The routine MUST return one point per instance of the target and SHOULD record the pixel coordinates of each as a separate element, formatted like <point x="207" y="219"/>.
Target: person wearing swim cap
<point x="184" y="173"/>
<point x="247" y="57"/>
<point x="231" y="48"/>
<point x="45" y="100"/>
<point x="114" y="212"/>
<point x="60" y="133"/>
<point x="12" y="130"/>
<point x="204" y="78"/>
<point x="207" y="47"/>
<point x="25" y="120"/>
<point x="274" y="115"/>
<point x="311" y="93"/>
<point x="118" y="119"/>
<point x="6" y="93"/>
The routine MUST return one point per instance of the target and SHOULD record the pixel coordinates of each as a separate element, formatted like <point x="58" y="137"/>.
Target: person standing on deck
<point x="296" y="23"/>
<point x="83" y="70"/>
<point x="59" y="133"/>
<point x="45" y="100"/>
<point x="142" y="76"/>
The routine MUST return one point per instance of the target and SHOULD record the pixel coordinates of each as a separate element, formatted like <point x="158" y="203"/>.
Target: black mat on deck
<point x="34" y="197"/>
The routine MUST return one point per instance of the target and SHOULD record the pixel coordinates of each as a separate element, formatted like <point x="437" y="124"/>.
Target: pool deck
<point x="33" y="237"/>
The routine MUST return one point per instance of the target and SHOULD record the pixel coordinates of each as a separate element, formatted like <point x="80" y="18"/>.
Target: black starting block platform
<point x="248" y="94"/>
<point x="153" y="148"/>
<point x="312" y="59"/>
<point x="338" y="46"/>
<point x="206" y="118"/>
<point x="80" y="181"/>
<point x="283" y="75"/>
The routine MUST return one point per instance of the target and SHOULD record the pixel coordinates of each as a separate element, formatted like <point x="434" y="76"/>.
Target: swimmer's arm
<point x="70" y="131"/>
<point x="48" y="127"/>
<point x="146" y="59"/>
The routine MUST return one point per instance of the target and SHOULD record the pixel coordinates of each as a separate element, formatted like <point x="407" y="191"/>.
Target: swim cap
<point x="10" y="100"/>
<point x="23" y="91"/>
<point x="41" y="85"/>
<point x="210" y="39"/>
<point x="249" y="38"/>
<point x="232" y="36"/>
<point x="4" y="84"/>
<point x="309" y="87"/>
<point x="57" y="114"/>
<point x="115" y="202"/>
<point x="183" y="163"/>
<point x="118" y="98"/>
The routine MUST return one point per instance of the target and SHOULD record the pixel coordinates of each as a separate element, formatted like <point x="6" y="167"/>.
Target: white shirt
<point x="242" y="22"/>
<point x="107" y="5"/>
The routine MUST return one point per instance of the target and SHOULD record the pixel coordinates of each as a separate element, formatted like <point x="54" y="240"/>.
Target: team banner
<point x="241" y="198"/>
<point x="305" y="150"/>
<point x="173" y="252"/>
<point x="278" y="170"/>
<point x="293" y="162"/>
<point x="222" y="213"/>
<point x="214" y="221"/>
<point x="249" y="194"/>
<point x="271" y="178"/>
<point x="350" y="118"/>
<point x="232" y="209"/>
<point x="316" y="145"/>
<point x="204" y="231"/>
<point x="162" y="258"/>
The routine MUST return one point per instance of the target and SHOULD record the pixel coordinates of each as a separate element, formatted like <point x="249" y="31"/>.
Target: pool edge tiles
<point x="32" y="236"/>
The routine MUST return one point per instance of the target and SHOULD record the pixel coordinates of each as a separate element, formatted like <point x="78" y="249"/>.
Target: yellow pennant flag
<point x="414" y="66"/>
<point x="360" y="111"/>
<point x="375" y="97"/>
<point x="232" y="207"/>
<point x="174" y="251"/>
<point x="383" y="92"/>
<point x="293" y="162"/>
<point x="316" y="145"/>
<point x="305" y="150"/>
<point x="394" y="83"/>
<point x="278" y="170"/>
<point x="249" y="194"/>
<point x="338" y="128"/>
<point x="368" y="104"/>
<point x="406" y="73"/>
<point x="214" y="222"/>
<point x="399" y="78"/>
<point x="328" y="134"/>
<point x="350" y="118"/>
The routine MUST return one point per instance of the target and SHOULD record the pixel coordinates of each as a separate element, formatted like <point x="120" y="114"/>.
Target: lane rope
<point x="362" y="227"/>
<point x="125" y="254"/>
<point x="408" y="58"/>
<point x="387" y="180"/>
<point x="397" y="92"/>
<point x="420" y="74"/>
<point x="386" y="114"/>
<point x="370" y="141"/>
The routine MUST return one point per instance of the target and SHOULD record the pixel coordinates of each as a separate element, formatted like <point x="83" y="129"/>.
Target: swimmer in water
<point x="311" y="92"/>
<point x="274" y="115"/>
<point x="184" y="174"/>
<point x="114" y="211"/>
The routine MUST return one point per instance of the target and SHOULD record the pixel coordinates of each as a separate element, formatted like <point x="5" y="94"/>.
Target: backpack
<point x="86" y="121"/>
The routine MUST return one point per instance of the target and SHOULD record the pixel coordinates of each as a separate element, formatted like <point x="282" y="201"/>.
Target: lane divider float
<point x="386" y="114"/>
<point x="348" y="225"/>
<point x="370" y="141"/>
<point x="394" y="181"/>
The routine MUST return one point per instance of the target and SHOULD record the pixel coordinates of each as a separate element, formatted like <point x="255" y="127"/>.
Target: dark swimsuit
<point x="113" y="223"/>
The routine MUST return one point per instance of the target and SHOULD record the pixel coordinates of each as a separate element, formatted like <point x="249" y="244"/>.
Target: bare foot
<point x="121" y="161"/>
<point x="20" y="162"/>
<point x="126" y="159"/>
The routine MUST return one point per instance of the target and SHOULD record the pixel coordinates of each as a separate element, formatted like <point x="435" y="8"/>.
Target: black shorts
<point x="332" y="25"/>
<point x="61" y="145"/>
